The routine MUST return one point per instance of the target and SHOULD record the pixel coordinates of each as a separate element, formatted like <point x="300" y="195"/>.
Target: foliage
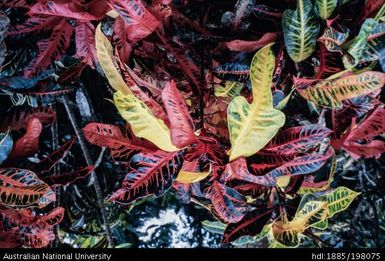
<point x="252" y="110"/>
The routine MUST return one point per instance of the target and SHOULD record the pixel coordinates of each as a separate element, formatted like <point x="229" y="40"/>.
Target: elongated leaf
<point x="231" y="89"/>
<point x="181" y="124"/>
<point x="359" y="44"/>
<point x="312" y="212"/>
<point x="227" y="202"/>
<point x="251" y="46"/>
<point x="68" y="178"/>
<point x="151" y="174"/>
<point x="338" y="199"/>
<point x="104" y="53"/>
<point x="188" y="177"/>
<point x="300" y="30"/>
<point x="298" y="139"/>
<point x="371" y="126"/>
<point x="326" y="8"/>
<point x="46" y="164"/>
<point x="251" y="224"/>
<point x="70" y="10"/>
<point x="21" y="188"/>
<point x="372" y="149"/>
<point x="216" y="227"/>
<point x="18" y="119"/>
<point x="143" y="122"/>
<point x="111" y="136"/>
<point x="50" y="49"/>
<point x="135" y="14"/>
<point x="252" y="126"/>
<point x="331" y="93"/>
<point x="6" y="144"/>
<point x="85" y="43"/>
<point x="299" y="166"/>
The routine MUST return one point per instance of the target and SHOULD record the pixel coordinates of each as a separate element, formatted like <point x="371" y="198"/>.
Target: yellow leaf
<point x="252" y="126"/>
<point x="143" y="123"/>
<point x="311" y="213"/>
<point x="187" y="177"/>
<point x="283" y="181"/>
<point x="104" y="54"/>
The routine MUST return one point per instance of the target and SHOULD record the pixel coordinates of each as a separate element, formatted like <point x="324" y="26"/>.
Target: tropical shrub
<point x="245" y="108"/>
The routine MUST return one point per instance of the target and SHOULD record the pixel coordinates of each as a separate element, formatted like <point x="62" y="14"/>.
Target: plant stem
<point x="87" y="157"/>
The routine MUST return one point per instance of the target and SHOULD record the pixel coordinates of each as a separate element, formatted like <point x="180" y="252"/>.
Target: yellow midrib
<point x="302" y="35"/>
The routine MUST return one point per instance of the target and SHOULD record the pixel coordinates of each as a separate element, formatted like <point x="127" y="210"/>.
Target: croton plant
<point x="245" y="108"/>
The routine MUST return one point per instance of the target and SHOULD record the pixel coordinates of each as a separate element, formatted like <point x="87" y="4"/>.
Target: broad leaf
<point x="252" y="126"/>
<point x="331" y="93"/>
<point x="300" y="30"/>
<point x="326" y="8"/>
<point x="28" y="144"/>
<point x="22" y="188"/>
<point x="140" y="21"/>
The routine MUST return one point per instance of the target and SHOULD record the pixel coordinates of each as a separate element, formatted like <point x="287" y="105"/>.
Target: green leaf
<point x="333" y="39"/>
<point x="359" y="44"/>
<point x="215" y="227"/>
<point x="231" y="89"/>
<point x="252" y="126"/>
<point x="326" y="8"/>
<point x="312" y="212"/>
<point x="300" y="30"/>
<point x="6" y="144"/>
<point x="331" y="93"/>
<point x="338" y="200"/>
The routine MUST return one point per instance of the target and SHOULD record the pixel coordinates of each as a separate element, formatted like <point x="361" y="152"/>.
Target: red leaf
<point x="151" y="174"/>
<point x="139" y="20"/>
<point x="298" y="139"/>
<point x="227" y="202"/>
<point x="34" y="24"/>
<point x="27" y="145"/>
<point x="250" y="225"/>
<point x="97" y="10"/>
<point x="299" y="166"/>
<point x="67" y="178"/>
<point x="46" y="164"/>
<point x="85" y="43"/>
<point x="237" y="170"/>
<point x="372" y="149"/>
<point x="251" y="46"/>
<point x="17" y="119"/>
<point x="181" y="124"/>
<point x="110" y="136"/>
<point x="154" y="106"/>
<point x="372" y="126"/>
<point x="50" y="49"/>
<point x="120" y="39"/>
